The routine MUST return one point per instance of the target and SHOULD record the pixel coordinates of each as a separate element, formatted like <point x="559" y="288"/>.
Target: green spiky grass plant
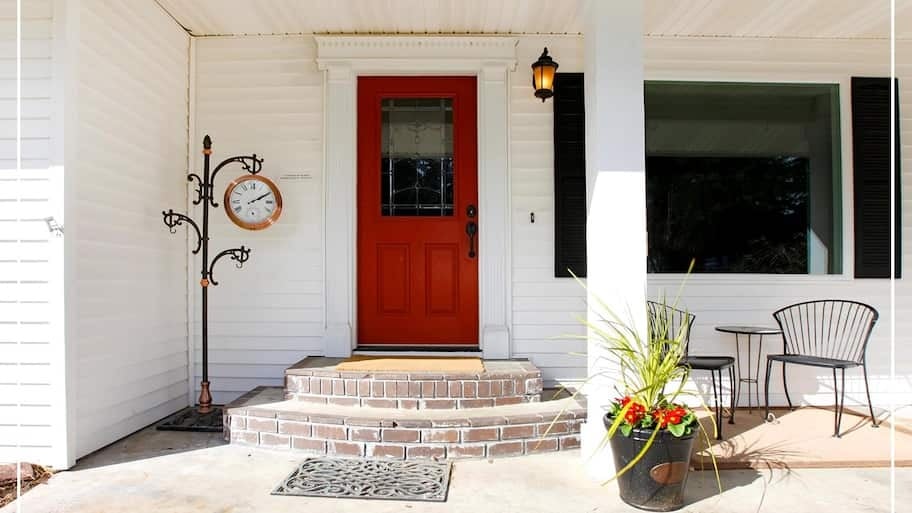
<point x="650" y="372"/>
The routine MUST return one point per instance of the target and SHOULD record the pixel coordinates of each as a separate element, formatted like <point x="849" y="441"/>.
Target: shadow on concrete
<point x="149" y="443"/>
<point x="702" y="485"/>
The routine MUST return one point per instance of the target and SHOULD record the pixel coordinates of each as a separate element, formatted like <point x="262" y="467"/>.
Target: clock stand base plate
<point x="189" y="419"/>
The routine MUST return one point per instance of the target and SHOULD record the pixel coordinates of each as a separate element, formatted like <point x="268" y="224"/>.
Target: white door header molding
<point x="416" y="55"/>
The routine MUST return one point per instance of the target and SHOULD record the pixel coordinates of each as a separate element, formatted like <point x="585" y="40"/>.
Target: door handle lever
<point x="471" y="231"/>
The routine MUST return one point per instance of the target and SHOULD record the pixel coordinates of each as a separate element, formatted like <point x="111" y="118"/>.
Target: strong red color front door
<point x="417" y="215"/>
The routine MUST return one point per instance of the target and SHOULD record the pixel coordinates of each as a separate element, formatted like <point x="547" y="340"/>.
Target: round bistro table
<point x="749" y="331"/>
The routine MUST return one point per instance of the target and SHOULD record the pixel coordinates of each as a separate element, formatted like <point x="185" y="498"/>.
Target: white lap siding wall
<point x="262" y="95"/>
<point x="127" y="160"/>
<point x="544" y="307"/>
<point x="32" y="388"/>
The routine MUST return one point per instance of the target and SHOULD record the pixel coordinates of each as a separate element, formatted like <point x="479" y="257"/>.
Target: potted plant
<point x="650" y="430"/>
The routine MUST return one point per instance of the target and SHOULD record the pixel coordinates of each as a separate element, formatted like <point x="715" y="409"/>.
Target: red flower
<point x="635" y="412"/>
<point x="661" y="417"/>
<point x="676" y="415"/>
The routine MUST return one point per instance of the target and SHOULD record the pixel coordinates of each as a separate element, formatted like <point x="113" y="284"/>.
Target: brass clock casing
<point x="269" y="221"/>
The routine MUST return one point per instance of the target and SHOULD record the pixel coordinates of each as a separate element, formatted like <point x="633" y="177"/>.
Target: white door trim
<point x="343" y="59"/>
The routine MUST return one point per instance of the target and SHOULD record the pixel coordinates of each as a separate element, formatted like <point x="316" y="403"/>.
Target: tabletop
<point x="749" y="330"/>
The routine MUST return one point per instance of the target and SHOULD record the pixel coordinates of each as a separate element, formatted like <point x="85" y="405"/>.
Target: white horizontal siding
<point x="128" y="311"/>
<point x="262" y="95"/>
<point x="544" y="307"/>
<point x="32" y="398"/>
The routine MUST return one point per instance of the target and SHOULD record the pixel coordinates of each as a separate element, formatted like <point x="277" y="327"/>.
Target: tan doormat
<point x="801" y="439"/>
<point x="456" y="365"/>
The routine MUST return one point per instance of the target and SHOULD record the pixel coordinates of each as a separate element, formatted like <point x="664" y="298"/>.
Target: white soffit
<point x="841" y="19"/>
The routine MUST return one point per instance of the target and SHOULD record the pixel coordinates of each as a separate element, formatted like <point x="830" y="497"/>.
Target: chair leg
<point x="786" y="388"/>
<point x="712" y="373"/>
<point x="731" y="382"/>
<point x="864" y="369"/>
<point x="766" y="390"/>
<point x="839" y="405"/>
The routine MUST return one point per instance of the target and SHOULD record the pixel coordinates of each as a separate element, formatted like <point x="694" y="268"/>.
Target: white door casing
<point x="343" y="59"/>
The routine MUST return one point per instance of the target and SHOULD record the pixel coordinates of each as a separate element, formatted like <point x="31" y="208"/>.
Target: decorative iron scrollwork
<point x="251" y="164"/>
<point x="368" y="479"/>
<point x="240" y="255"/>
<point x="174" y="219"/>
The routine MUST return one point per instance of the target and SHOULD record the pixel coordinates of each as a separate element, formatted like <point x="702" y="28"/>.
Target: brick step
<point x="263" y="418"/>
<point x="504" y="382"/>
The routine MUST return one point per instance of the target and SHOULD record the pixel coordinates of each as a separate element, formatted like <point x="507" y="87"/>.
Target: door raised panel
<point x="393" y="288"/>
<point x="442" y="278"/>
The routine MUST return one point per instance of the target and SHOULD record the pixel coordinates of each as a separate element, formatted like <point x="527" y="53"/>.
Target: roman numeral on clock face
<point x="237" y="209"/>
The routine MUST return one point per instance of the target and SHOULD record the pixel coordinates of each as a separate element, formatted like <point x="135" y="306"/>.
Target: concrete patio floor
<point x="155" y="471"/>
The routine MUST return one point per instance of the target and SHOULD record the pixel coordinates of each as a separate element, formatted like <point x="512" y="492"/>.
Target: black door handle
<point x="471" y="231"/>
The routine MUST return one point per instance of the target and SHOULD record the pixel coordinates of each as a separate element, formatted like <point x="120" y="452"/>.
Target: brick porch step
<point x="263" y="418"/>
<point x="504" y="382"/>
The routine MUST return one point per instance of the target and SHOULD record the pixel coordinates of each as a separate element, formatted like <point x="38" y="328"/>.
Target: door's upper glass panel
<point x="416" y="157"/>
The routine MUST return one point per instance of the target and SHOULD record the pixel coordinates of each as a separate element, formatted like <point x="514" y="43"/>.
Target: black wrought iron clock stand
<point x="204" y="417"/>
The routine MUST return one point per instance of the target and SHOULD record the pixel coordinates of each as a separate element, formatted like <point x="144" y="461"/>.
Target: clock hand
<point x="258" y="198"/>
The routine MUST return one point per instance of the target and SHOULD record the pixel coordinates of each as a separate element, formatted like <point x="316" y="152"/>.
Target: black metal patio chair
<point x="674" y="320"/>
<point x="828" y="333"/>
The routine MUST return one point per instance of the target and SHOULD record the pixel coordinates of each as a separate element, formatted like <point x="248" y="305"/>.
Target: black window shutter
<point x="569" y="175"/>
<point x="871" y="161"/>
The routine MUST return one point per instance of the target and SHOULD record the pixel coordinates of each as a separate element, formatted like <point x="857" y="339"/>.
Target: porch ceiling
<point x="701" y="18"/>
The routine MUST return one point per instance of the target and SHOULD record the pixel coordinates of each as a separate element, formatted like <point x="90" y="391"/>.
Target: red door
<point x="417" y="215"/>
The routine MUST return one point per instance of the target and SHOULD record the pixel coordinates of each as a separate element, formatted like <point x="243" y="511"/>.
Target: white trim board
<point x="344" y="59"/>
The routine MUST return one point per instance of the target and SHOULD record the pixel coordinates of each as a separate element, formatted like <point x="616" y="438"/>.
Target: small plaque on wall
<point x="294" y="177"/>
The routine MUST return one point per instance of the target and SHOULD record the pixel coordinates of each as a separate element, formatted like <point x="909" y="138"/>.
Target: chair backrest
<point x="829" y="328"/>
<point x="662" y="316"/>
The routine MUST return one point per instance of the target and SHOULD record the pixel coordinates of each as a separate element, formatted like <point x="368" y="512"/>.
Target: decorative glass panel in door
<point x="416" y="159"/>
<point x="417" y="211"/>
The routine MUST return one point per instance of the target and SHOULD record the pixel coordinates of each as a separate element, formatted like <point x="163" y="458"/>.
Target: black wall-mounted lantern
<point x="543" y="76"/>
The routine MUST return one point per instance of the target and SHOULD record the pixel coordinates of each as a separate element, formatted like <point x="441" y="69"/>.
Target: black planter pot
<point x="656" y="482"/>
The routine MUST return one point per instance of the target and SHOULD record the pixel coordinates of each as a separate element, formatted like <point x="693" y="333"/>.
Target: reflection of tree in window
<point x="731" y="214"/>
<point x="743" y="178"/>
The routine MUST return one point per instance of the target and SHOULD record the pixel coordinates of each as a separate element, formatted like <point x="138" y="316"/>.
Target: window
<point x="743" y="178"/>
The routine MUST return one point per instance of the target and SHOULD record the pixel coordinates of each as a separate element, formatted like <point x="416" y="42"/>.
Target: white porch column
<point x="339" y="222"/>
<point x="616" y="191"/>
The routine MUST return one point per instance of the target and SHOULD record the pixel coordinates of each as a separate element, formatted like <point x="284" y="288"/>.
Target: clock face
<point x="253" y="202"/>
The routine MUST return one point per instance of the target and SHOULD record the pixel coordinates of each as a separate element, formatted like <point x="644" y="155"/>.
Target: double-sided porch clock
<point x="253" y="202"/>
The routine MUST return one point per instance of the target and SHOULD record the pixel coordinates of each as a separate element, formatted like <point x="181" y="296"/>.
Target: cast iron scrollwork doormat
<point x="368" y="479"/>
